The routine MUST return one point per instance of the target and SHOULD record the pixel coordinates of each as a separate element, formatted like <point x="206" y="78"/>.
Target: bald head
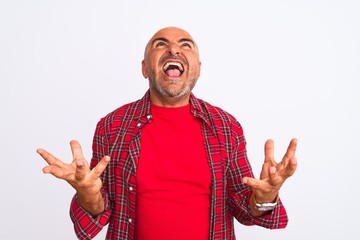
<point x="169" y="31"/>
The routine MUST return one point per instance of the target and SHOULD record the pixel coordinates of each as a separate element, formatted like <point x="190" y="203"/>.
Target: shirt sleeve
<point x="239" y="194"/>
<point x="85" y="225"/>
<point x="275" y="219"/>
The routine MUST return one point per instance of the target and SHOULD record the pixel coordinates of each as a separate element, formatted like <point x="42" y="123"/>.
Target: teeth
<point x="173" y="63"/>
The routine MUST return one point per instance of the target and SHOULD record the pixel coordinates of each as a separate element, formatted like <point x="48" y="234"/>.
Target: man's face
<point x="172" y="66"/>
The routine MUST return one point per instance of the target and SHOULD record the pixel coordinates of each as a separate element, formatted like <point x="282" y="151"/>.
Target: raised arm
<point x="86" y="182"/>
<point x="272" y="177"/>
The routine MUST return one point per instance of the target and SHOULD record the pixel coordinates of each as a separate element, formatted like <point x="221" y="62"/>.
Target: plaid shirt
<point x="118" y="135"/>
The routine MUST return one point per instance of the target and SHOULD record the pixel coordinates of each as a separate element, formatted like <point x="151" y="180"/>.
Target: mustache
<point x="172" y="57"/>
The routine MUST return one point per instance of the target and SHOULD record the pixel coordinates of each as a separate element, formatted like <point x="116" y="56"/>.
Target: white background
<point x="283" y="68"/>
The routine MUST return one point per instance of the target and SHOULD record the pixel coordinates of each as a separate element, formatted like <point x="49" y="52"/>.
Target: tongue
<point x="173" y="73"/>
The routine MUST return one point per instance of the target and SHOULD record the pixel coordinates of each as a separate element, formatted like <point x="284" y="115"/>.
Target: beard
<point x="171" y="90"/>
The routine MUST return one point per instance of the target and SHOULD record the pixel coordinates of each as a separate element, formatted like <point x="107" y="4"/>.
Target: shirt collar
<point x="197" y="107"/>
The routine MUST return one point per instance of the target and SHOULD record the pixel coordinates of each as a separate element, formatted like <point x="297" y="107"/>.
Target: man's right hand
<point x="86" y="182"/>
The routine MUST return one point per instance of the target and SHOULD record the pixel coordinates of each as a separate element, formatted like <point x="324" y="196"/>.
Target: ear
<point x="199" y="69"/>
<point x="143" y="69"/>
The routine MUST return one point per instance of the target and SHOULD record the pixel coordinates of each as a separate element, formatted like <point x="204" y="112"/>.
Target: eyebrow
<point x="166" y="40"/>
<point x="159" y="39"/>
<point x="186" y="40"/>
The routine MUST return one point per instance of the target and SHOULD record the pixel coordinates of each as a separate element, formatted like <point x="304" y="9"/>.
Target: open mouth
<point x="173" y="69"/>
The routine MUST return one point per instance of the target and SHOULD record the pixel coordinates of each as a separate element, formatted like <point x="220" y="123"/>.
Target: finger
<point x="49" y="158"/>
<point x="275" y="178"/>
<point x="82" y="168"/>
<point x="269" y="151"/>
<point x="265" y="171"/>
<point x="290" y="152"/>
<point x="48" y="169"/>
<point x="55" y="171"/>
<point x="251" y="182"/>
<point x="260" y="187"/>
<point x="100" y="167"/>
<point x="291" y="168"/>
<point x="76" y="150"/>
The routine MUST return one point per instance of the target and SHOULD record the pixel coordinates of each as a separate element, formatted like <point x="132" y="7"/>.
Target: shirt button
<point x="139" y="124"/>
<point x="130" y="220"/>
<point x="131" y="188"/>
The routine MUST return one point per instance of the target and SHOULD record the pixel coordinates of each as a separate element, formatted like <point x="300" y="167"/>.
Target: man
<point x="171" y="166"/>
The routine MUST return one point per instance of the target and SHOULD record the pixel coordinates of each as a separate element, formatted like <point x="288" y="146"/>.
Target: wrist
<point x="259" y="208"/>
<point x="271" y="199"/>
<point x="266" y="206"/>
<point x="92" y="203"/>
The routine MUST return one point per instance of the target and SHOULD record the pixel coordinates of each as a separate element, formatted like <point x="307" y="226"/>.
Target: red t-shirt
<point x="173" y="178"/>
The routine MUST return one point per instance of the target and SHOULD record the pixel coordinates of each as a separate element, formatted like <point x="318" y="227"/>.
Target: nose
<point x="174" y="49"/>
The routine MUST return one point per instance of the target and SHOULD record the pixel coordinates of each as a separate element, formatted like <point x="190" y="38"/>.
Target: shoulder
<point x="118" y="114"/>
<point x="123" y="116"/>
<point x="127" y="112"/>
<point x="215" y="113"/>
<point x="226" y="127"/>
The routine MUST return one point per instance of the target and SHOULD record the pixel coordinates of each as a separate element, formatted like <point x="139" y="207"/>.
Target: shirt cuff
<point x="85" y="225"/>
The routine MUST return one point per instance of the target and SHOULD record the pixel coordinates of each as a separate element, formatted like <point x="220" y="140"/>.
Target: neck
<point x="170" y="102"/>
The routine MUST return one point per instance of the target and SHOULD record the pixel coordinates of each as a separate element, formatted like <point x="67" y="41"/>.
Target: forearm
<point x="86" y="225"/>
<point x="92" y="203"/>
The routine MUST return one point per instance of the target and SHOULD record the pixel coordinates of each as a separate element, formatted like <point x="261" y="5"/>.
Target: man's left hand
<point x="273" y="174"/>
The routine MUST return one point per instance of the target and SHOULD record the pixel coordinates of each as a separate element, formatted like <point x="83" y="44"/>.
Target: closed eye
<point x="186" y="45"/>
<point x="160" y="44"/>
